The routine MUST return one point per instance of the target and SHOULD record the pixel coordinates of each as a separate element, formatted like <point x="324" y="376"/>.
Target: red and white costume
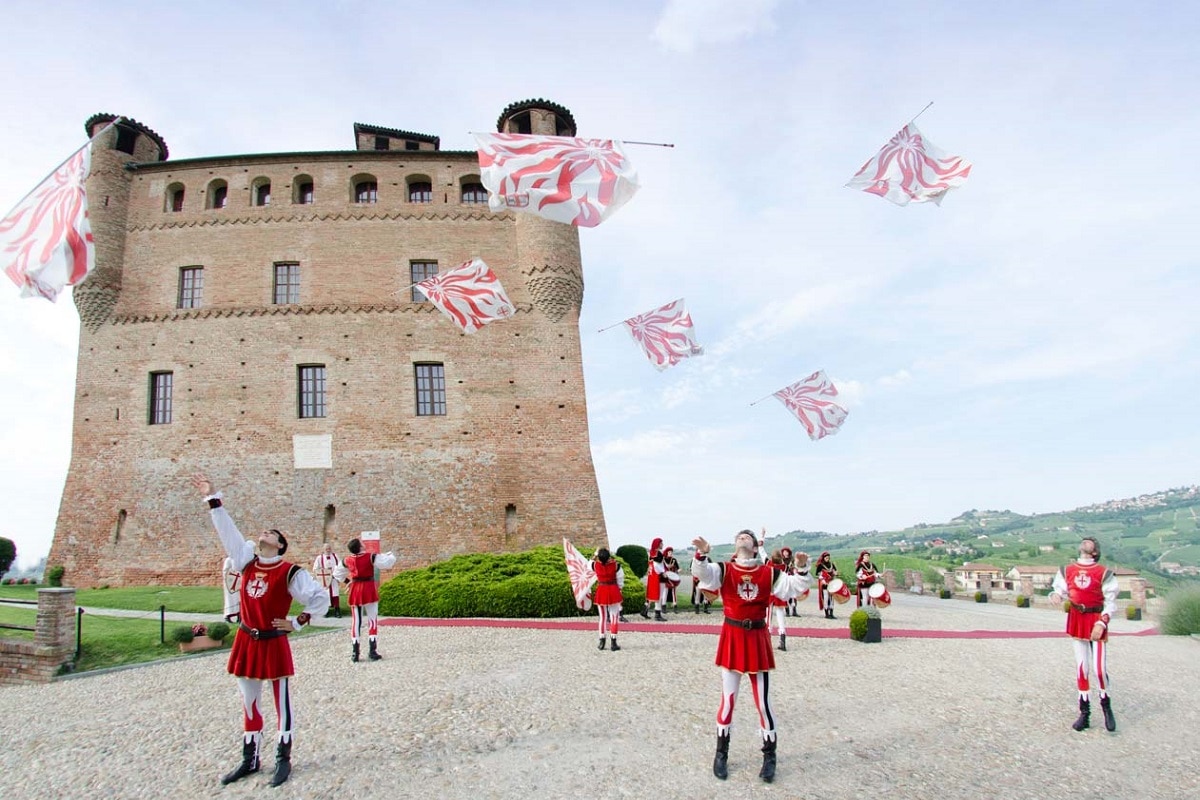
<point x="778" y="608"/>
<point x="865" y="575"/>
<point x="656" y="587"/>
<point x="610" y="581"/>
<point x="260" y="652"/>
<point x="744" y="647"/>
<point x="363" y="593"/>
<point x="826" y="572"/>
<point x="231" y="589"/>
<point x="1092" y="591"/>
<point x="323" y="567"/>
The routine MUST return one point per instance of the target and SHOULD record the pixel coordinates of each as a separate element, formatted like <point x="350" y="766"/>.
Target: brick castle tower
<point x="251" y="317"/>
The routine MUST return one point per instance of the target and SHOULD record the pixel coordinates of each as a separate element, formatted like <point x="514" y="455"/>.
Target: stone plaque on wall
<point x="313" y="452"/>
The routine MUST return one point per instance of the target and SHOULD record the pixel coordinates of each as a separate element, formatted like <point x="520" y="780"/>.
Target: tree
<point x="636" y="556"/>
<point x="8" y="554"/>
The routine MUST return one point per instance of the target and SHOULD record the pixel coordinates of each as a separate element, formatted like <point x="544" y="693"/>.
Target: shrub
<point x="858" y="625"/>
<point x="54" y="575"/>
<point x="980" y="597"/>
<point x="1182" y="617"/>
<point x="944" y="593"/>
<point x="636" y="556"/>
<point x="529" y="584"/>
<point x="1133" y="612"/>
<point x="218" y="631"/>
<point x="181" y="634"/>
<point x="872" y="612"/>
<point x="1022" y="601"/>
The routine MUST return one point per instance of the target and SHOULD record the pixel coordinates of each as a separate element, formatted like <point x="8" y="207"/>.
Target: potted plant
<point x="944" y="593"/>
<point x="1133" y="612"/>
<point x="981" y="597"/>
<point x="866" y="625"/>
<point x="194" y="637"/>
<point x="1022" y="601"/>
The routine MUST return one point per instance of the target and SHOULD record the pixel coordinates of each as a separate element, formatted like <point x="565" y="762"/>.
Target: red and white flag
<point x="811" y="401"/>
<point x="564" y="179"/>
<point x="46" y="241"/>
<point x="470" y="295"/>
<point x="665" y="334"/>
<point x="911" y="169"/>
<point x="579" y="570"/>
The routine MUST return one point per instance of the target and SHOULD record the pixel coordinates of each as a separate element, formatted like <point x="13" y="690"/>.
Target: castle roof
<point x="375" y="130"/>
<point x="523" y="105"/>
<point x="103" y="118"/>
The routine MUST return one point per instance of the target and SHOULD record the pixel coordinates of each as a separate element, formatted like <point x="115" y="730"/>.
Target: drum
<point x="802" y="596"/>
<point x="839" y="591"/>
<point x="672" y="578"/>
<point x="879" y="595"/>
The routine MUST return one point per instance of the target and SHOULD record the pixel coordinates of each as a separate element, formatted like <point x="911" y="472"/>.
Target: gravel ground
<point x="495" y="713"/>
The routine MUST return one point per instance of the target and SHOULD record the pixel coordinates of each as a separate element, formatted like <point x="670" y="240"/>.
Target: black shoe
<point x="706" y="607"/>
<point x="721" y="759"/>
<point x="621" y="617"/>
<point x="283" y="763"/>
<point x="646" y="611"/>
<point x="250" y="762"/>
<point x="696" y="609"/>
<point x="1085" y="715"/>
<point x="783" y="642"/>
<point x="767" y="773"/>
<point x="373" y="652"/>
<point x="1110" y="722"/>
<point x="603" y="642"/>
<point x="615" y="646"/>
<point x="658" y="617"/>
<point x="354" y="652"/>
<point x="337" y="612"/>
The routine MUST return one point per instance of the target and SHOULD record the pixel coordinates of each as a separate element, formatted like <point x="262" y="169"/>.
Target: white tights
<point x="760" y="683"/>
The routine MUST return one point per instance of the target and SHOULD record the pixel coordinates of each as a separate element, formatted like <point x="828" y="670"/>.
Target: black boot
<point x="354" y="652"/>
<point x="372" y="652"/>
<point x="646" y="611"/>
<point x="603" y="642"/>
<point x="337" y="611"/>
<point x="1110" y="722"/>
<point x="283" y="763"/>
<point x="250" y="762"/>
<point x="721" y="759"/>
<point x="658" y="617"/>
<point x="706" y="607"/>
<point x="697" y="608"/>
<point x="615" y="646"/>
<point x="783" y="642"/>
<point x="767" y="773"/>
<point x="1085" y="715"/>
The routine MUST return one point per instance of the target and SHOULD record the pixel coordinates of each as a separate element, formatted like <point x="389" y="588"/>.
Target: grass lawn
<point x="185" y="599"/>
<point x="111" y="641"/>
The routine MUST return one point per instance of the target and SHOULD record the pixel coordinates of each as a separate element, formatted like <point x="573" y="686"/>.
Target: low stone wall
<point x="53" y="642"/>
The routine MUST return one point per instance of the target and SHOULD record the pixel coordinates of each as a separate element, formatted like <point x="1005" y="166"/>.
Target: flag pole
<point x="919" y="113"/>
<point x="610" y="327"/>
<point x="648" y="144"/>
<point x="622" y="322"/>
<point x="759" y="400"/>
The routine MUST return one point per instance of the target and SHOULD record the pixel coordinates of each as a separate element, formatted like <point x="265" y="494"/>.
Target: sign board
<point x="370" y="541"/>
<point x="313" y="452"/>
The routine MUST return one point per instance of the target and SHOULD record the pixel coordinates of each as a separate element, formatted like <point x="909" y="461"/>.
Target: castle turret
<point x="108" y="185"/>
<point x="547" y="252"/>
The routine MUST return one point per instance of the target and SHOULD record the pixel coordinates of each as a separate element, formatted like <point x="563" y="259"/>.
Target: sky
<point x="1031" y="344"/>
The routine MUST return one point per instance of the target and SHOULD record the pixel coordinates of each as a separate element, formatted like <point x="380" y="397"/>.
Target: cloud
<point x="687" y="24"/>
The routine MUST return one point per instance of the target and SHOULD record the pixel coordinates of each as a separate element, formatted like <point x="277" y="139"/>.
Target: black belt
<point x="747" y="624"/>
<point x="608" y="583"/>
<point x="1087" y="609"/>
<point x="361" y="580"/>
<point x="256" y="634"/>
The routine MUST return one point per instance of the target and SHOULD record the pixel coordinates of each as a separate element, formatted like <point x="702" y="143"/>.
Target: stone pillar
<point x="56" y="621"/>
<point x="889" y="579"/>
<point x="949" y="582"/>
<point x="1027" y="587"/>
<point x="985" y="586"/>
<point x="1137" y="593"/>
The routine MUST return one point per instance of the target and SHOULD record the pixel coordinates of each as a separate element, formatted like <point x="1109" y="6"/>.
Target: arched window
<point x="174" y="198"/>
<point x="473" y="191"/>
<point x="366" y="189"/>
<point x="261" y="192"/>
<point x="218" y="194"/>
<point x="420" y="189"/>
<point x="302" y="190"/>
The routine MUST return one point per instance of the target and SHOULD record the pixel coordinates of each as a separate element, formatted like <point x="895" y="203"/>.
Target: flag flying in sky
<point x="470" y="295"/>
<point x="579" y="570"/>
<point x="665" y="334"/>
<point x="911" y="169"/>
<point x="811" y="400"/>
<point x="564" y="179"/>
<point x="46" y="241"/>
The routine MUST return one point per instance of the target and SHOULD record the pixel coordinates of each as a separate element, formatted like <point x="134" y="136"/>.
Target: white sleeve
<point x="1111" y="590"/>
<point x="1059" y="585"/>
<point x="340" y="572"/>
<point x="707" y="573"/>
<point x="239" y="549"/>
<point x="385" y="560"/>
<point x="310" y="594"/>
<point x="788" y="586"/>
<point x="620" y="578"/>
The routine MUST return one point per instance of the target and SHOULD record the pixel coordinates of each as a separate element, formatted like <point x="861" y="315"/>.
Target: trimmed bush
<point x="858" y="625"/>
<point x="1022" y="601"/>
<point x="1182" y="617"/>
<point x="218" y="631"/>
<point x="181" y="634"/>
<point x="636" y="556"/>
<point x="54" y="575"/>
<point x="508" y="585"/>
<point x="944" y="593"/>
<point x="1133" y="612"/>
<point x="980" y="597"/>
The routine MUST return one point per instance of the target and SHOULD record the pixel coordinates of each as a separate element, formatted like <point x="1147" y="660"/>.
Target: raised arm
<point x="385" y="560"/>
<point x="706" y="573"/>
<point x="235" y="545"/>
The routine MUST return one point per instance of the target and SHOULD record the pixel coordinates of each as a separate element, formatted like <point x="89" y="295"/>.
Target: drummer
<point x="866" y="575"/>
<point x="777" y="607"/>
<point x="671" y="577"/>
<point x="826" y="573"/>
<point x="790" y="569"/>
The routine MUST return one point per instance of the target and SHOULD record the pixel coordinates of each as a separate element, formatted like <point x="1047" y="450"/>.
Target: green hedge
<point x="508" y="585"/>
<point x="636" y="556"/>
<point x="1182" y="617"/>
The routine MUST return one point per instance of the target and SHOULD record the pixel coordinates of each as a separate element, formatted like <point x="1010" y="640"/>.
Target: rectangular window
<point x="160" y="397"/>
<point x="191" y="287"/>
<point x="304" y="193"/>
<point x="312" y="391"/>
<point x="431" y="390"/>
<point x="383" y="143"/>
<point x="262" y="195"/>
<point x="420" y="192"/>
<point x="177" y="200"/>
<point x="421" y="270"/>
<point x="366" y="192"/>
<point x="412" y="146"/>
<point x="287" y="284"/>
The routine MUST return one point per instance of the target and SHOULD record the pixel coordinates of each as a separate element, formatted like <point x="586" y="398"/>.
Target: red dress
<point x="1085" y="590"/>
<point x="362" y="579"/>
<point x="745" y="593"/>
<point x="607" y="591"/>
<point x="265" y="597"/>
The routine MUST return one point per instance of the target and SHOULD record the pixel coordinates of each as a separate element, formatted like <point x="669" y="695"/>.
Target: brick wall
<point x="53" y="641"/>
<point x="508" y="467"/>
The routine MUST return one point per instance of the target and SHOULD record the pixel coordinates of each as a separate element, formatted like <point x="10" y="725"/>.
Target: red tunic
<point x="607" y="591"/>
<point x="362" y="579"/>
<point x="265" y="597"/>
<point x="745" y="593"/>
<point x="1085" y="590"/>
